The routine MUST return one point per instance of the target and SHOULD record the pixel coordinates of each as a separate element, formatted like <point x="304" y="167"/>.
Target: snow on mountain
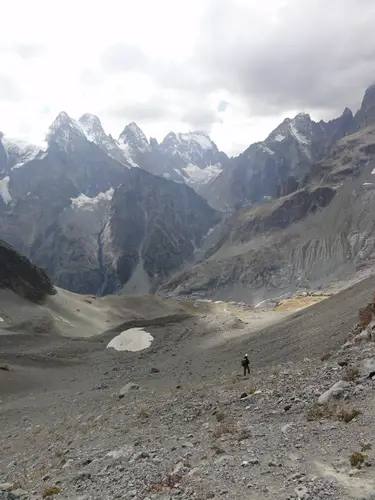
<point x="133" y="136"/>
<point x="93" y="128"/>
<point x="64" y="130"/>
<point x="19" y="152"/>
<point x="83" y="202"/>
<point x="199" y="176"/>
<point x="4" y="190"/>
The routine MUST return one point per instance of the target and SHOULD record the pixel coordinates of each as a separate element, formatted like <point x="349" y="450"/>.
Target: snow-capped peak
<point x="134" y="137"/>
<point x="93" y="128"/>
<point x="63" y="129"/>
<point x="200" y="138"/>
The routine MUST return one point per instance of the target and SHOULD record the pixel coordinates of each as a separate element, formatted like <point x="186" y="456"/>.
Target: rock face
<point x="58" y="210"/>
<point x="277" y="166"/>
<point x="191" y="158"/>
<point x="154" y="228"/>
<point x="21" y="276"/>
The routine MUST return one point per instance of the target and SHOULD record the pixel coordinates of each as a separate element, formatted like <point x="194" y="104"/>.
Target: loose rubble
<point x="226" y="437"/>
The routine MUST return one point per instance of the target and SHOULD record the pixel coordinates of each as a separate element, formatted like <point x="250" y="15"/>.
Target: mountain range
<point x="101" y="214"/>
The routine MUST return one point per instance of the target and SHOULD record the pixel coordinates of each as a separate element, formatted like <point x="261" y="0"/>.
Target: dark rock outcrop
<point x="21" y="276"/>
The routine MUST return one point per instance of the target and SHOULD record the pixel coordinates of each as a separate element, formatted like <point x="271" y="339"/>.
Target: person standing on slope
<point x="246" y="365"/>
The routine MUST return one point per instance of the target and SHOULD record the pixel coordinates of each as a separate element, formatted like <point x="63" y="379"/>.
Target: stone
<point x="367" y="368"/>
<point x="335" y="392"/>
<point x="343" y="362"/>
<point x="301" y="492"/>
<point x="128" y="387"/>
<point x="139" y="456"/>
<point x="124" y="452"/>
<point x="6" y="486"/>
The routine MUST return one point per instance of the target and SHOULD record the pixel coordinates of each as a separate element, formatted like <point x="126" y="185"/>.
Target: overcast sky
<point x="234" y="68"/>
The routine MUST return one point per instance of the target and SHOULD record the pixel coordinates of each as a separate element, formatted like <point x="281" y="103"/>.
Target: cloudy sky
<point x="234" y="68"/>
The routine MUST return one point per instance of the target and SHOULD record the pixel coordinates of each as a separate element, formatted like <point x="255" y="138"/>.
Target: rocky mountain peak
<point x="93" y="128"/>
<point x="347" y="112"/>
<point x="63" y="130"/>
<point x="366" y="114"/>
<point x="134" y="136"/>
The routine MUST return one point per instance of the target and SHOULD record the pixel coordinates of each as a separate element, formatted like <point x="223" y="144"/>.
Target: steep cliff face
<point x="307" y="239"/>
<point x="21" y="276"/>
<point x="277" y="166"/>
<point x="154" y="227"/>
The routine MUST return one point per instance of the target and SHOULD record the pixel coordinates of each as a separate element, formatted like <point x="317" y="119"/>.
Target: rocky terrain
<point x="319" y="233"/>
<point x="178" y="419"/>
<point x="19" y="275"/>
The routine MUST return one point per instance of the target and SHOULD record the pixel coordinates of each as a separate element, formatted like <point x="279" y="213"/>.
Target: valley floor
<point x="168" y="422"/>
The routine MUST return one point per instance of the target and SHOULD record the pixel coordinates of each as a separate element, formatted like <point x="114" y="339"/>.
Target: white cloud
<point x="170" y="64"/>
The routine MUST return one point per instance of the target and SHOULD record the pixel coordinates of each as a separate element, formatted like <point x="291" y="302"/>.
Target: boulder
<point x="367" y="368"/>
<point x="128" y="387"/>
<point x="335" y="392"/>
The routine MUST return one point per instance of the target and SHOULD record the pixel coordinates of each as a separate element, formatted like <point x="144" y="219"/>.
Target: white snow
<point x="141" y="140"/>
<point x="198" y="175"/>
<point x="198" y="137"/>
<point x="134" y="339"/>
<point x="4" y="190"/>
<point x="297" y="135"/>
<point x="125" y="148"/>
<point x="83" y="202"/>
<point x="64" y="126"/>
<point x="373" y="171"/>
<point x="368" y="184"/>
<point x="266" y="149"/>
<point x="279" y="137"/>
<point x="22" y="149"/>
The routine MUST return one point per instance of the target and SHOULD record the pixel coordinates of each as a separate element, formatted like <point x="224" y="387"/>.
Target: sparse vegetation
<point x="332" y="412"/>
<point x="347" y="414"/>
<point x="325" y="356"/>
<point x="251" y="390"/>
<point x="356" y="459"/>
<point x="218" y="449"/>
<point x="220" y="416"/>
<point x="168" y="483"/>
<point x="50" y="491"/>
<point x="142" y="414"/>
<point x="224" y="428"/>
<point x="244" y="434"/>
<point x="351" y="373"/>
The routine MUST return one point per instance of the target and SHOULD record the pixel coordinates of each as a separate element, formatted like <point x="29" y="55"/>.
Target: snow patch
<point x="23" y="150"/>
<point x="125" y="148"/>
<point x="373" y="171"/>
<point x="134" y="339"/>
<point x="297" y="135"/>
<point x="4" y="190"/>
<point x="279" y="137"/>
<point x="266" y="149"/>
<point x="83" y="202"/>
<point x="198" y="137"/>
<point x="196" y="175"/>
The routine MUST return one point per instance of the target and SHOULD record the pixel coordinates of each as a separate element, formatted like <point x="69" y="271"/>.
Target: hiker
<point x="246" y="365"/>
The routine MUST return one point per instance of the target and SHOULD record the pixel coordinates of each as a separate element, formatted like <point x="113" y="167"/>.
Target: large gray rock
<point x="335" y="392"/>
<point x="367" y="368"/>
